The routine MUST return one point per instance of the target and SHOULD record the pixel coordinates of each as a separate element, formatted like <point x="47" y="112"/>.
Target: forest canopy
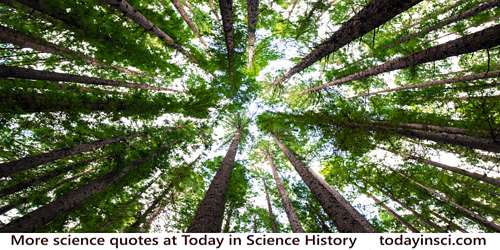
<point x="249" y="116"/>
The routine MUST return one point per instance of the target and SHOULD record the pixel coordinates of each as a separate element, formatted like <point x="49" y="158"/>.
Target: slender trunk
<point x="32" y="74"/>
<point x="440" y="24"/>
<point x="373" y="15"/>
<point x="227" y="225"/>
<point x="451" y="224"/>
<point x="394" y="213"/>
<point x="484" y="39"/>
<point x="36" y="219"/>
<point x="24" y="41"/>
<point x="178" y="6"/>
<point x="40" y="179"/>
<point x="213" y="9"/>
<point x="428" y="84"/>
<point x="30" y="162"/>
<point x="475" y="176"/>
<point x="226" y="11"/>
<point x="210" y="213"/>
<point x="143" y="220"/>
<point x="445" y="199"/>
<point x="294" y="3"/>
<point x="290" y="212"/>
<point x="132" y="13"/>
<point x="252" y="13"/>
<point x="345" y="217"/>
<point x="272" y="217"/>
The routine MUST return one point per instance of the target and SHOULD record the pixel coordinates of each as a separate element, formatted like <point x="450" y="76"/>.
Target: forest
<point x="250" y="116"/>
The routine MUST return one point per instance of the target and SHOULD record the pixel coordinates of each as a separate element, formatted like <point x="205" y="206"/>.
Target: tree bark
<point x="180" y="9"/>
<point x="210" y="213"/>
<point x="440" y="24"/>
<point x="272" y="217"/>
<point x="39" y="179"/>
<point x="394" y="214"/>
<point x="484" y="39"/>
<point x="345" y="217"/>
<point x="445" y="199"/>
<point x="24" y="41"/>
<point x="428" y="84"/>
<point x="226" y="11"/>
<point x="290" y="212"/>
<point x="30" y="162"/>
<point x="36" y="219"/>
<point x="373" y="15"/>
<point x="252" y="13"/>
<point x="475" y="176"/>
<point x="32" y="74"/>
<point x="150" y="27"/>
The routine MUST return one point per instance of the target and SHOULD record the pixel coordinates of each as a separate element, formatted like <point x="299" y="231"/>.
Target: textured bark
<point x="484" y="39"/>
<point x="32" y="74"/>
<point x="475" y="176"/>
<point x="180" y="9"/>
<point x="440" y="24"/>
<point x="373" y="15"/>
<point x="252" y="13"/>
<point x="428" y="84"/>
<point x="24" y="41"/>
<point x="30" y="162"/>
<point x="143" y="220"/>
<point x="272" y="217"/>
<point x="345" y="217"/>
<point x="226" y="11"/>
<point x="137" y="17"/>
<point x="39" y="179"/>
<point x="445" y="199"/>
<point x="36" y="219"/>
<point x="394" y="214"/>
<point x="287" y="205"/>
<point x="210" y="213"/>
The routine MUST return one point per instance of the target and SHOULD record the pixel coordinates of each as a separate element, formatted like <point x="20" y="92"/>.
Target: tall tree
<point x="180" y="8"/>
<point x="394" y="214"/>
<point x="252" y="13"/>
<point x="226" y="11"/>
<point x="272" y="217"/>
<point x="345" y="217"/>
<point x="210" y="213"/>
<point x="290" y="212"/>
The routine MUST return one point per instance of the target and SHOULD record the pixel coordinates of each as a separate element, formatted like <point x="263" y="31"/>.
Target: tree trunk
<point x="252" y="13"/>
<point x="227" y="225"/>
<point x="211" y="4"/>
<point x="210" y="213"/>
<point x="428" y="84"/>
<point x="373" y="15"/>
<point x="150" y="27"/>
<point x="345" y="217"/>
<point x="32" y="74"/>
<point x="440" y="24"/>
<point x="30" y="162"/>
<point x="451" y="224"/>
<point x="272" y="217"/>
<point x="40" y="179"/>
<point x="290" y="213"/>
<point x="394" y="213"/>
<point x="17" y="38"/>
<point x="226" y="11"/>
<point x="484" y="39"/>
<point x="294" y="3"/>
<point x="68" y="201"/>
<point x="479" y="177"/>
<point x="445" y="199"/>
<point x="178" y="6"/>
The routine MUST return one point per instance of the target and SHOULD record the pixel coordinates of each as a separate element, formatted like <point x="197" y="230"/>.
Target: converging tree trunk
<point x="345" y="217"/>
<point x="32" y="74"/>
<point x="30" y="162"/>
<point x="252" y="13"/>
<point x="451" y="224"/>
<point x="24" y="41"/>
<point x="210" y="212"/>
<point x="149" y="26"/>
<point x="484" y="39"/>
<point x="394" y="214"/>
<point x="373" y="15"/>
<point x="290" y="212"/>
<point x="440" y="24"/>
<point x="180" y="9"/>
<point x="428" y="84"/>
<point x="226" y="11"/>
<point x="272" y="217"/>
